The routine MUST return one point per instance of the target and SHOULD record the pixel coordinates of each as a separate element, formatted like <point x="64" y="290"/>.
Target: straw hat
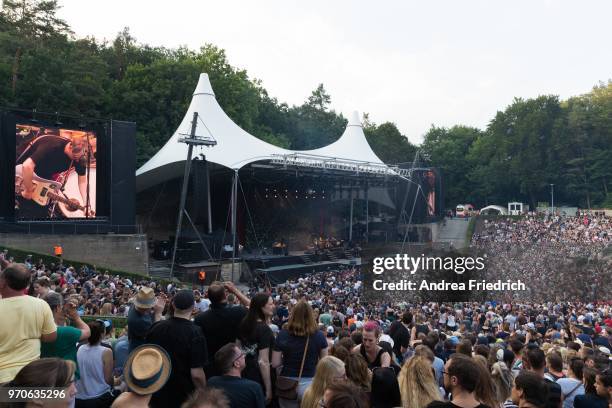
<point x="145" y="298"/>
<point x="147" y="369"/>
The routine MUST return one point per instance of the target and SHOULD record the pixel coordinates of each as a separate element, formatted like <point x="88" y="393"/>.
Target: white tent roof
<point x="235" y="147"/>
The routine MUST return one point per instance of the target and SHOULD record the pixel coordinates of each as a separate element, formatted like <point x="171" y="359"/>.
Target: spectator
<point x="357" y="371"/>
<point x="257" y="339"/>
<point x="25" y="321"/>
<point x="554" y="364"/>
<point x="147" y="369"/>
<point x="603" y="386"/>
<point x="121" y="352"/>
<point x="417" y="384"/>
<point x="502" y="384"/>
<point x="186" y="345"/>
<point x="300" y="340"/>
<point x="64" y="345"/>
<point x="344" y="395"/>
<point x="461" y="376"/>
<point x="201" y="304"/>
<point x="241" y="392"/>
<point x="374" y="355"/>
<point x="529" y="390"/>
<point x="329" y="369"/>
<point x="44" y="373"/>
<point x="207" y="398"/>
<point x="400" y="333"/>
<point x="572" y="386"/>
<point x="219" y="323"/>
<point x="139" y="316"/>
<point x="41" y="287"/>
<point x="95" y="361"/>
<point x="590" y="397"/>
<point x="385" y="389"/>
<point x="537" y="362"/>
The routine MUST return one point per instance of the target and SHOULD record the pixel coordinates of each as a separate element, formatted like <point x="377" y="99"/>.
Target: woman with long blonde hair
<point x="329" y="369"/>
<point x="417" y="383"/>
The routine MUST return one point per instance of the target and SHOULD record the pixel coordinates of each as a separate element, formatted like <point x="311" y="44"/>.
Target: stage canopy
<point x="237" y="148"/>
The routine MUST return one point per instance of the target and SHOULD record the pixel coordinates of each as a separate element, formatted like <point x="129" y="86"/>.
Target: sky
<point x="414" y="63"/>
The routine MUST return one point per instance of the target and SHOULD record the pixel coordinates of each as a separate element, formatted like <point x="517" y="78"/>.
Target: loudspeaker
<point x="123" y="173"/>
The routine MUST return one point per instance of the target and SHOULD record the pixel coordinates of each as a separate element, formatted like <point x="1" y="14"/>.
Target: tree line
<point x="526" y="147"/>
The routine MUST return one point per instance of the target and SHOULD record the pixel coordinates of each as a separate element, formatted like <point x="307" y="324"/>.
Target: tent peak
<point x="204" y="87"/>
<point x="355" y="119"/>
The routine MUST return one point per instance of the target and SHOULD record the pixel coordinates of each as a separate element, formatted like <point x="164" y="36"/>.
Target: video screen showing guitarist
<point x="55" y="175"/>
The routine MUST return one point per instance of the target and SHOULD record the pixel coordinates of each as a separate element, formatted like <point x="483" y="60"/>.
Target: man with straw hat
<point x="146" y="371"/>
<point x="145" y="311"/>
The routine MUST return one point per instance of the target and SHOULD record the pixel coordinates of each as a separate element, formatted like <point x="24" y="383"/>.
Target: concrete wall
<point x="124" y="252"/>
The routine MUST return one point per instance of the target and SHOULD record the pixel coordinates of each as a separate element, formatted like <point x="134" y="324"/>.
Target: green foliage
<point x="527" y="146"/>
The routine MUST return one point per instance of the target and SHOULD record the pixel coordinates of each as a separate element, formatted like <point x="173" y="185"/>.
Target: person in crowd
<point x="400" y="333"/>
<point x="374" y="354"/>
<point x="571" y="386"/>
<point x="41" y="287"/>
<point x="529" y="390"/>
<point x="357" y="371"/>
<point x="201" y="304"/>
<point x="257" y="338"/>
<point x="340" y="394"/>
<point x="485" y="389"/>
<point x="146" y="371"/>
<point x="329" y="369"/>
<point x="186" y="345"/>
<point x="121" y="352"/>
<point x="502" y="382"/>
<point x="461" y="377"/>
<point x="430" y="342"/>
<point x="207" y="398"/>
<point x="385" y="392"/>
<point x="536" y="362"/>
<point x="554" y="366"/>
<point x="53" y="373"/>
<point x="145" y="311"/>
<point x="220" y="322"/>
<point x="603" y="386"/>
<point x="25" y="321"/>
<point x="300" y="340"/>
<point x="65" y="345"/>
<point x="417" y="384"/>
<point x="241" y="392"/>
<point x="95" y="361"/>
<point x="590" y="397"/>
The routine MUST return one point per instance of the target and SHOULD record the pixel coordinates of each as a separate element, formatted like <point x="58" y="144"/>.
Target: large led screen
<point x="55" y="173"/>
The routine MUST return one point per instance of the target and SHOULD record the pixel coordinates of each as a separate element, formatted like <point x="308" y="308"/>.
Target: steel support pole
<point x="183" y="193"/>
<point x="234" y="221"/>
<point x="351" y="217"/>
<point x="210" y="227"/>
<point x="367" y="214"/>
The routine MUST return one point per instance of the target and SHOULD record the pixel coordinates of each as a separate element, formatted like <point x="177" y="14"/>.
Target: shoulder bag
<point x="286" y="388"/>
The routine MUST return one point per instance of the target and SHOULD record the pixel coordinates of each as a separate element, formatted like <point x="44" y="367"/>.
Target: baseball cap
<point x="184" y="299"/>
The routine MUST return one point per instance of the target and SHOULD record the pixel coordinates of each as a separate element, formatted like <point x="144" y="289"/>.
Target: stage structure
<point x="348" y="163"/>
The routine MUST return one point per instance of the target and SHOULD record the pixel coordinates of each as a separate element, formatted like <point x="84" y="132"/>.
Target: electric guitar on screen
<point x="45" y="191"/>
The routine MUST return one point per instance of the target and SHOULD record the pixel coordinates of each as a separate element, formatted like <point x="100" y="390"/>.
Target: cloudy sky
<point x="415" y="63"/>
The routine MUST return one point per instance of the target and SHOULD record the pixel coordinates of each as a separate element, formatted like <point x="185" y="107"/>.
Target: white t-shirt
<point x="203" y="305"/>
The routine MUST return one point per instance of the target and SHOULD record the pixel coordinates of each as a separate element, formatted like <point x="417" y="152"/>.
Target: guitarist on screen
<point x="46" y="158"/>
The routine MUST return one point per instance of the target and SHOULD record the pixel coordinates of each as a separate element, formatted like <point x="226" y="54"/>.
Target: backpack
<point x="554" y="394"/>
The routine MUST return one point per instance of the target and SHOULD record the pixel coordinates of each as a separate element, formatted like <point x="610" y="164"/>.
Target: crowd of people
<point x="560" y="258"/>
<point x="310" y="342"/>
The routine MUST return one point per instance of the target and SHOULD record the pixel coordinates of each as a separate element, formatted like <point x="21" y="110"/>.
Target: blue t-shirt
<point x="292" y="348"/>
